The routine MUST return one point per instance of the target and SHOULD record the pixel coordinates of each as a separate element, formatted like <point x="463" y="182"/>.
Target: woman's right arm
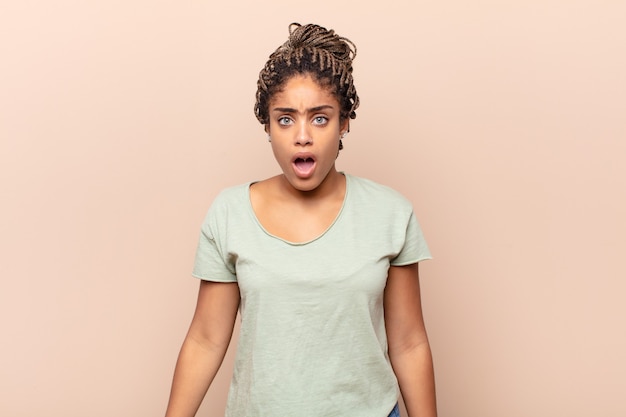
<point x="204" y="346"/>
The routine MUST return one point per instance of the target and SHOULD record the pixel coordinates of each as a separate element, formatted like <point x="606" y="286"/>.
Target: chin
<point x="304" y="185"/>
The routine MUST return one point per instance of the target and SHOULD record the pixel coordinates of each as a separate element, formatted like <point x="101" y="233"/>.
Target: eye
<point x="284" y="121"/>
<point x="320" y="120"/>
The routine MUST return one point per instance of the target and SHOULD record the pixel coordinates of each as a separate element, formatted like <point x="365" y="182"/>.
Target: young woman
<point x="322" y="265"/>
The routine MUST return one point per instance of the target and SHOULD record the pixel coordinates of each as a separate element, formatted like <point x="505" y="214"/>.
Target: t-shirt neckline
<point x="288" y="242"/>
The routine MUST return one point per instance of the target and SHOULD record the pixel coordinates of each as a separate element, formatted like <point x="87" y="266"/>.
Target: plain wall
<point x="504" y="122"/>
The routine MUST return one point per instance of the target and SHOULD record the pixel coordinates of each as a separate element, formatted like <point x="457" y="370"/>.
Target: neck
<point x="332" y="186"/>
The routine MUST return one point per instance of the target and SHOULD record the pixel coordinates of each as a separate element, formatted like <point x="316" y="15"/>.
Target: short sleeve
<point x="415" y="248"/>
<point x="212" y="262"/>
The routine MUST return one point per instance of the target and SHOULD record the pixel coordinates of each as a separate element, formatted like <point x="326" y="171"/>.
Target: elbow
<point x="417" y="344"/>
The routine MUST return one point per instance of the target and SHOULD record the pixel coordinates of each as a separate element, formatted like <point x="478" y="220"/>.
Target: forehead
<point x="303" y="89"/>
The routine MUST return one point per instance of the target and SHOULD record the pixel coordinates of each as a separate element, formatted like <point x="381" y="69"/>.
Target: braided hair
<point x="315" y="51"/>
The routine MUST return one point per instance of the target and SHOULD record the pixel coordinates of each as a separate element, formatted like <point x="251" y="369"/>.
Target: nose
<point x="303" y="135"/>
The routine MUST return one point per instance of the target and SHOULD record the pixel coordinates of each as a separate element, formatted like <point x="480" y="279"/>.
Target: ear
<point x="344" y="127"/>
<point x="267" y="128"/>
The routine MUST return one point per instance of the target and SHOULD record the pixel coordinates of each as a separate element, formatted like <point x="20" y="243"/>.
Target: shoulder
<point x="231" y="195"/>
<point x="228" y="201"/>
<point x="376" y="193"/>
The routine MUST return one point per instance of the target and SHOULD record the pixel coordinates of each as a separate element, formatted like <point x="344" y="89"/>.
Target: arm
<point x="204" y="346"/>
<point x="409" y="350"/>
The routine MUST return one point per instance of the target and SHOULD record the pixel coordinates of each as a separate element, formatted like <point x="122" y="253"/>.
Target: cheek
<point x="280" y="154"/>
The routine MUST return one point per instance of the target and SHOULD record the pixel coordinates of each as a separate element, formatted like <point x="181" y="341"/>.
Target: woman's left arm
<point x="409" y="350"/>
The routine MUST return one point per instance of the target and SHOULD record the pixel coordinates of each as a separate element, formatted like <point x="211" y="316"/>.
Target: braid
<point x="316" y="51"/>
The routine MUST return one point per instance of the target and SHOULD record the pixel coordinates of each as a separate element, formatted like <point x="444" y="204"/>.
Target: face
<point x="305" y="129"/>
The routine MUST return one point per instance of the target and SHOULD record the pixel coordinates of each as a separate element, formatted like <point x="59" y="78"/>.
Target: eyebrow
<point x="311" y="110"/>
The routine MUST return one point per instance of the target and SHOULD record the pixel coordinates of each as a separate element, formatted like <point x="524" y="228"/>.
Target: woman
<point x="323" y="266"/>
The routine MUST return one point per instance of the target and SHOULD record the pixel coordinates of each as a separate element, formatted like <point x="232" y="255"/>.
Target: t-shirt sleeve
<point x="212" y="262"/>
<point x="415" y="248"/>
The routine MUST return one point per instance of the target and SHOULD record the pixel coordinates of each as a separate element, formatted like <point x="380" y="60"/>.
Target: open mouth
<point x="304" y="163"/>
<point x="304" y="166"/>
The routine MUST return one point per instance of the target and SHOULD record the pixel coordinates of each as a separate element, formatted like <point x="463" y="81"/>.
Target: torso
<point x="312" y="310"/>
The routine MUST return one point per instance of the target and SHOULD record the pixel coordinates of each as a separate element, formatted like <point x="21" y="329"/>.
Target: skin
<point x="298" y="205"/>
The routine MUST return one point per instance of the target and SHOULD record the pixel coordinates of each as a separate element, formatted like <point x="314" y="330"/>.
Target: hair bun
<point x="315" y="36"/>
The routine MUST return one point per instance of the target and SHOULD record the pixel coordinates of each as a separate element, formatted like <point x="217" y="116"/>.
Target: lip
<point x="303" y="155"/>
<point x="307" y="170"/>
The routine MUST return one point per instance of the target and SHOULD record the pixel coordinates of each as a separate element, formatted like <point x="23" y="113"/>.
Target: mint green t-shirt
<point x="312" y="341"/>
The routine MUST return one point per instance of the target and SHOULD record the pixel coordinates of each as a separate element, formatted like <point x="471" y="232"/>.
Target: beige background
<point x="503" y="121"/>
